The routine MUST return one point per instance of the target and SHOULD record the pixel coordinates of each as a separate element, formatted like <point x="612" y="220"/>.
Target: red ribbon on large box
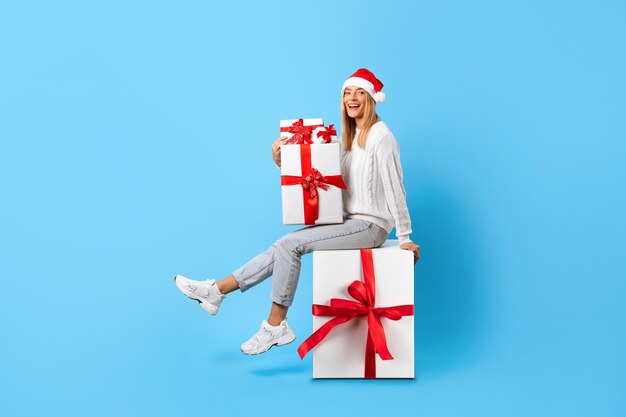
<point x="301" y="133"/>
<point x="310" y="180"/>
<point x="365" y="305"/>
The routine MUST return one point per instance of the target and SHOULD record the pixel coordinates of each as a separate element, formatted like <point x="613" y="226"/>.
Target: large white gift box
<point x="342" y="352"/>
<point x="311" y="183"/>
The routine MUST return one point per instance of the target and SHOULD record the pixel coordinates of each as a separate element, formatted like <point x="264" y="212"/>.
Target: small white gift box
<point x="301" y="130"/>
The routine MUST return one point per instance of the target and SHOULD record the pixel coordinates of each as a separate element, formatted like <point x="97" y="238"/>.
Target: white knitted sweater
<point x="374" y="182"/>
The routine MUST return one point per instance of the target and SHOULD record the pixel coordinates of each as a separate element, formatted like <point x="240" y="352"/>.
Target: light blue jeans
<point x="282" y="259"/>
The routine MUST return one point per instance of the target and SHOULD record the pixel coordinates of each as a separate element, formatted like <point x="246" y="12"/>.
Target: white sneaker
<point x="268" y="336"/>
<point x="204" y="292"/>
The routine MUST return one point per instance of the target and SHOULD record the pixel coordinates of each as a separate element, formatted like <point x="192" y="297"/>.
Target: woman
<point x="374" y="203"/>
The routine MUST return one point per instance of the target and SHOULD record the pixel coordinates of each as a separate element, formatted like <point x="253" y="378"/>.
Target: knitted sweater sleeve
<point x="391" y="175"/>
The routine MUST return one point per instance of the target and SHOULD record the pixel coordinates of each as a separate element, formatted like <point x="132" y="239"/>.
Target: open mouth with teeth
<point x="353" y="106"/>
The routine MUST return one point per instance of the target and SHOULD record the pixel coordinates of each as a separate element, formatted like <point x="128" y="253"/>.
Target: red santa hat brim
<point x="357" y="80"/>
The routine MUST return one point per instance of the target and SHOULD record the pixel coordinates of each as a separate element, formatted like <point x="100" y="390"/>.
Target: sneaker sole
<point x="281" y="342"/>
<point x="205" y="306"/>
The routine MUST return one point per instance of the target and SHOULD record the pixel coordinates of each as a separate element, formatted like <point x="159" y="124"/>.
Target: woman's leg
<point x="285" y="267"/>
<point x="282" y="259"/>
<point x="253" y="272"/>
<point x="352" y="234"/>
<point x="228" y="284"/>
<point x="278" y="313"/>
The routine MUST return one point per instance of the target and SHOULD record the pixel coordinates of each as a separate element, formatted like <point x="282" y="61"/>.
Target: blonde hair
<point x="348" y="124"/>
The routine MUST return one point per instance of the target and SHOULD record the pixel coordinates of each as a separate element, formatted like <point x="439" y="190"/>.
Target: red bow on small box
<point x="327" y="134"/>
<point x="310" y="180"/>
<point x="365" y="305"/>
<point x="301" y="133"/>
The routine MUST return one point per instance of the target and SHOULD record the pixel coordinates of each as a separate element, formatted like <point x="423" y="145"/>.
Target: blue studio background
<point x="135" y="145"/>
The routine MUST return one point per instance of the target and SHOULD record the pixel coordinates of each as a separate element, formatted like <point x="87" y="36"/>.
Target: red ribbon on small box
<point x="327" y="133"/>
<point x="310" y="180"/>
<point x="301" y="133"/>
<point x="365" y="305"/>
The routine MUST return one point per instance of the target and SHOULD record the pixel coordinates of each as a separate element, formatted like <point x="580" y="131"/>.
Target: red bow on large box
<point x="310" y="180"/>
<point x="301" y="133"/>
<point x="365" y="305"/>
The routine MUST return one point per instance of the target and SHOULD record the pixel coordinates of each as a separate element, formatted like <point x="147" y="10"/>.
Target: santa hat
<point x="366" y="80"/>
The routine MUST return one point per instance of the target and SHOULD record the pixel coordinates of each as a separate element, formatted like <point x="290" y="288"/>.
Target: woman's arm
<point x="391" y="174"/>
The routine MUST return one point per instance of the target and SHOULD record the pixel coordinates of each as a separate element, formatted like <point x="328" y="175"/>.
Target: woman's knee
<point x="289" y="243"/>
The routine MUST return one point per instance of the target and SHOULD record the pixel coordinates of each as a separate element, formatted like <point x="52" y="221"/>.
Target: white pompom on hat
<point x="365" y="79"/>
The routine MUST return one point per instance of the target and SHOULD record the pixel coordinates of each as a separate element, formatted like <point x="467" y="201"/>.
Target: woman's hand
<point x="276" y="149"/>
<point x="412" y="247"/>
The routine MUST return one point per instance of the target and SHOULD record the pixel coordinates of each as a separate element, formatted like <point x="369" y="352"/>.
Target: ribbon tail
<point x="320" y="334"/>
<point x="311" y="207"/>
<point x="377" y="333"/>
<point x="370" y="358"/>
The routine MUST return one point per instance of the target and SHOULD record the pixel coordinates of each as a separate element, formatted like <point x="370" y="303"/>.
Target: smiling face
<point x="354" y="99"/>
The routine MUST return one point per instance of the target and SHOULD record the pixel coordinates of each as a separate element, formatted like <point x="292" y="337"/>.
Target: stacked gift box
<point x="311" y="173"/>
<point x="362" y="299"/>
